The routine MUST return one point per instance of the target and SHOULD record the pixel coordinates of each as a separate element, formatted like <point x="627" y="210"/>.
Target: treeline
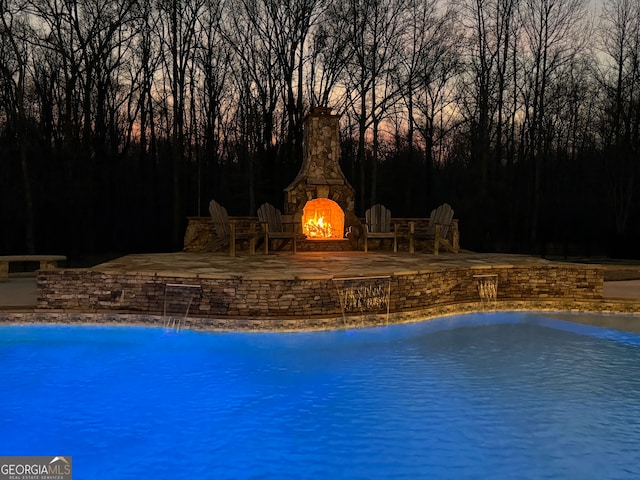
<point x="121" y="118"/>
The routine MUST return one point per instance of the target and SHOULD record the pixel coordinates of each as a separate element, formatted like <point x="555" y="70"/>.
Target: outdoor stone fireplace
<point x="320" y="197"/>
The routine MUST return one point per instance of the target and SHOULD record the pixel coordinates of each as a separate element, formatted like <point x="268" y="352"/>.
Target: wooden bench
<point x="47" y="262"/>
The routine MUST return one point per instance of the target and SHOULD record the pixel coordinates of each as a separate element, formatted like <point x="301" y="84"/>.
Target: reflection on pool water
<point x="501" y="395"/>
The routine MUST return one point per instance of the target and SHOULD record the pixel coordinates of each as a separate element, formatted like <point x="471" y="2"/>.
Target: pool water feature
<point x="488" y="395"/>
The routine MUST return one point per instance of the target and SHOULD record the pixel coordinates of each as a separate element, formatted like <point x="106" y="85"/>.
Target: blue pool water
<point x="481" y="396"/>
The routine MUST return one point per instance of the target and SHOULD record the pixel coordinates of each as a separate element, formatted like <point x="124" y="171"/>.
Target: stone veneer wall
<point x="313" y="297"/>
<point x="200" y="236"/>
<point x="342" y="245"/>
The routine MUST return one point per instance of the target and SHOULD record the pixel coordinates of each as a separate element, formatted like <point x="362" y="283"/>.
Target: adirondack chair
<point x="226" y="231"/>
<point x="378" y="226"/>
<point x="274" y="229"/>
<point x="442" y="229"/>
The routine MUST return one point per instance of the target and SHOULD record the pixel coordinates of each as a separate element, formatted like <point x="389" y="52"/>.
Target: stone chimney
<point x="320" y="175"/>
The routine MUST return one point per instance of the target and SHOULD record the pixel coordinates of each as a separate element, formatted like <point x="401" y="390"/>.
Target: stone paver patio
<point x="305" y="264"/>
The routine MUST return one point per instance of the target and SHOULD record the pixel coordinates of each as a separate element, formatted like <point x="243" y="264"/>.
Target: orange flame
<point x="317" y="227"/>
<point x="322" y="219"/>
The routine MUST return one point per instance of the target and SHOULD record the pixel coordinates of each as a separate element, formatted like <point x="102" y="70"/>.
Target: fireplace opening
<point x="322" y="219"/>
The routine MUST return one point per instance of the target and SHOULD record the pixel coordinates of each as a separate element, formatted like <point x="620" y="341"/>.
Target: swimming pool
<point x="500" y="395"/>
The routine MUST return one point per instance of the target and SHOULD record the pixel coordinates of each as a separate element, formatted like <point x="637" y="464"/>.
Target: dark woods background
<point x="121" y="118"/>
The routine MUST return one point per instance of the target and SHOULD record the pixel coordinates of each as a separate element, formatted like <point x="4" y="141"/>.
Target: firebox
<point x="320" y="197"/>
<point x="322" y="219"/>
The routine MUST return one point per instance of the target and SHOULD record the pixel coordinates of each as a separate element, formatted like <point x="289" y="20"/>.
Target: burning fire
<point x="317" y="227"/>
<point x="322" y="219"/>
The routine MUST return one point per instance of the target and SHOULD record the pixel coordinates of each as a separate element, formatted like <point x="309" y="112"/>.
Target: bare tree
<point x="554" y="32"/>
<point x="247" y="29"/>
<point x="620" y="77"/>
<point x="214" y="62"/>
<point x="491" y="27"/>
<point x="292" y="21"/>
<point x="373" y="31"/>
<point x="430" y="64"/>
<point x="13" y="78"/>
<point x="145" y="63"/>
<point x="178" y="23"/>
<point x="326" y="62"/>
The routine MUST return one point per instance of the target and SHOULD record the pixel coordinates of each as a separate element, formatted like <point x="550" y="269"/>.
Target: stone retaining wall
<point x="290" y="324"/>
<point x="313" y="297"/>
<point x="200" y="236"/>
